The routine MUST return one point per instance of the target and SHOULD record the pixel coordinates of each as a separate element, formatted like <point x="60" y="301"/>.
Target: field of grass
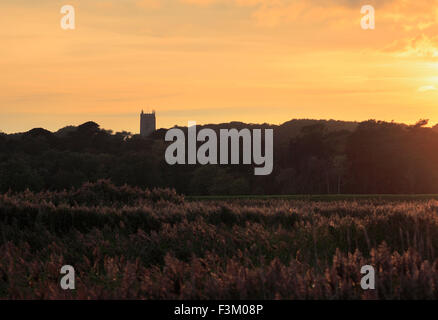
<point x="322" y="197"/>
<point x="127" y="243"/>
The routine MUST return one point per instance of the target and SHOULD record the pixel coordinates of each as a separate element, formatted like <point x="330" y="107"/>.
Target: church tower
<point x="147" y="123"/>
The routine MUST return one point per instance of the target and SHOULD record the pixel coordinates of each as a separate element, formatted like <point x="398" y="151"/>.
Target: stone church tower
<point x="147" y="123"/>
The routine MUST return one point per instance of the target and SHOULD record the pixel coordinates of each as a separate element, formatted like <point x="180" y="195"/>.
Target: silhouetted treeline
<point x="310" y="157"/>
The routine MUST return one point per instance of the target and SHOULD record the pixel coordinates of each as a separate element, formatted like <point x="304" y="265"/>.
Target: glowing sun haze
<point x="215" y="61"/>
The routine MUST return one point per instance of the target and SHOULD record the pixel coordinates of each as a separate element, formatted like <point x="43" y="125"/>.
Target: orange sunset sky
<point x="215" y="61"/>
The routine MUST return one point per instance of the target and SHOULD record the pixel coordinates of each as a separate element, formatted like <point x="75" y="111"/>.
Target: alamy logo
<point x="368" y="20"/>
<point x="207" y="153"/>
<point x="68" y="20"/>
<point x="368" y="281"/>
<point x="68" y="281"/>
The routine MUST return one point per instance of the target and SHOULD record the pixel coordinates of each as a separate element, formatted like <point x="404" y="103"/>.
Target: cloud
<point x="427" y="88"/>
<point x="148" y="4"/>
<point x="283" y="3"/>
<point x="398" y="15"/>
<point x="421" y="46"/>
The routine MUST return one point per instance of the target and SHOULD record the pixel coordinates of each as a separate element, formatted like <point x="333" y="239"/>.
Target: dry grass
<point x="128" y="243"/>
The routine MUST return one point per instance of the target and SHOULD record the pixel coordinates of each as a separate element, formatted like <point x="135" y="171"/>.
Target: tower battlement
<point x="147" y="123"/>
